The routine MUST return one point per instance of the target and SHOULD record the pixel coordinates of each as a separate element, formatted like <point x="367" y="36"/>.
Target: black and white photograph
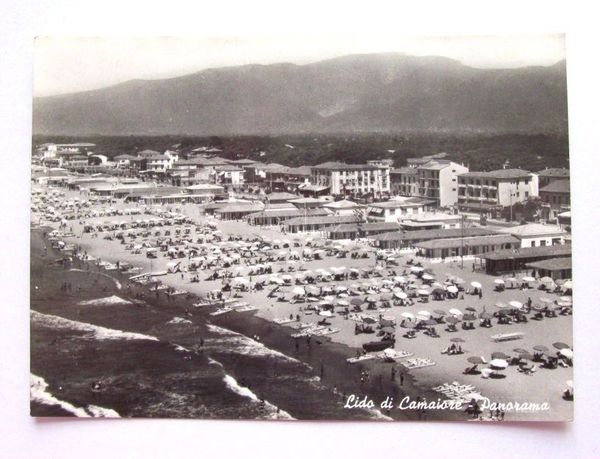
<point x="301" y="230"/>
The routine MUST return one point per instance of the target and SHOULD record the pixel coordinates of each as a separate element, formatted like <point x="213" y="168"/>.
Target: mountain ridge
<point x="354" y="93"/>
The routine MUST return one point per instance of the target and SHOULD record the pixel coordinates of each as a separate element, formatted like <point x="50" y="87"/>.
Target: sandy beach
<point x="512" y="386"/>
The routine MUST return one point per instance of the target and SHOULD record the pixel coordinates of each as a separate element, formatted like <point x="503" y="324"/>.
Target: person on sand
<point x="480" y="293"/>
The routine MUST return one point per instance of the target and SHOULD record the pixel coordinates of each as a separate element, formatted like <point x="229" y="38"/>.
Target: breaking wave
<point x="106" y="301"/>
<point x="179" y="320"/>
<point x="93" y="331"/>
<point x="40" y="394"/>
<point x="117" y="283"/>
<point x="273" y="412"/>
<point x="244" y="345"/>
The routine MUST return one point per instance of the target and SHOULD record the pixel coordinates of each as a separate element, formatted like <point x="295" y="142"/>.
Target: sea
<point x="101" y="347"/>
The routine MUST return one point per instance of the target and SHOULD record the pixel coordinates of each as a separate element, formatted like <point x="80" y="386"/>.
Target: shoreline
<point x="337" y="372"/>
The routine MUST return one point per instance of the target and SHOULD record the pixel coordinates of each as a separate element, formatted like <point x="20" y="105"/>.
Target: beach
<point x="321" y="361"/>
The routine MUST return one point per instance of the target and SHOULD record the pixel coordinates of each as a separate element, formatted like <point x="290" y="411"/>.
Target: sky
<point x="64" y="64"/>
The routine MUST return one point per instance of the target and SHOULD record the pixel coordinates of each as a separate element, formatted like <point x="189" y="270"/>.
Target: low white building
<point x="398" y="209"/>
<point x="536" y="234"/>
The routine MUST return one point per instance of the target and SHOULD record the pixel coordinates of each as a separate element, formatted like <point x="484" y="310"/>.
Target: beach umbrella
<point x="568" y="353"/>
<point x="558" y="345"/>
<point x="416" y="269"/>
<point x="371" y="299"/>
<point x="528" y="279"/>
<point x="469" y="317"/>
<point x="388" y="330"/>
<point x="499" y="364"/>
<point x="452" y="289"/>
<point x="469" y="308"/>
<point x="567" y="285"/>
<point x="401" y="295"/>
<point x="499" y="281"/>
<point x="458" y="281"/>
<point x="546" y="280"/>
<point x="457" y="340"/>
<point x="540" y="348"/>
<point x="545" y="300"/>
<point x="566" y="299"/>
<point x="342" y="303"/>
<point x="426" y="314"/>
<point x="438" y="291"/>
<point x="326" y="313"/>
<point x="500" y="355"/>
<point x="520" y="350"/>
<point x="500" y="305"/>
<point x="475" y="284"/>
<point x="526" y="356"/>
<point x="486" y="316"/>
<point x="427" y="277"/>
<point x="423" y="292"/>
<point x="430" y="322"/>
<point x="385" y="297"/>
<point x="368" y="320"/>
<point x="439" y="312"/>
<point x="515" y="304"/>
<point x="452" y="320"/>
<point x="409" y="325"/>
<point x="399" y="279"/>
<point x="299" y="291"/>
<point x="455" y="312"/>
<point x="511" y="279"/>
<point x="408" y="315"/>
<point x="476" y="360"/>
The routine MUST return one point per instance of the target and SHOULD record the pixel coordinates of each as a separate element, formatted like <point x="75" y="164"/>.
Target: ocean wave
<point x="378" y="415"/>
<point x="100" y="412"/>
<point x="116" y="281"/>
<point x="246" y="346"/>
<point x="39" y="393"/>
<point x="94" y="331"/>
<point x="273" y="412"/>
<point x="178" y="320"/>
<point x="106" y="301"/>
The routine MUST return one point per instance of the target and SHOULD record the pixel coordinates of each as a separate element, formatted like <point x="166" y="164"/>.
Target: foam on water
<point x="106" y="301"/>
<point x="116" y="281"/>
<point x="178" y="320"/>
<point x="99" y="412"/>
<point x="272" y="411"/>
<point x="378" y="415"/>
<point x="247" y="346"/>
<point x="40" y="394"/>
<point x="94" y="331"/>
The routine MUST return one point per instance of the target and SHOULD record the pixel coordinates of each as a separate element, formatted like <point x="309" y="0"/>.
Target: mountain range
<point x="355" y="93"/>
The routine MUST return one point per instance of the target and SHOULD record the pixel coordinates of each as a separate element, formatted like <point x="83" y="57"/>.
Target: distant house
<point x="557" y="196"/>
<point x="549" y="175"/>
<point x="344" y="207"/>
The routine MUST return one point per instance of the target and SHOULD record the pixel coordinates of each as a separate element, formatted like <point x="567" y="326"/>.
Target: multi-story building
<point x="493" y="189"/>
<point x="549" y="175"/>
<point x="557" y="198"/>
<point x="437" y="180"/>
<point x="353" y="179"/>
<point x="403" y="181"/>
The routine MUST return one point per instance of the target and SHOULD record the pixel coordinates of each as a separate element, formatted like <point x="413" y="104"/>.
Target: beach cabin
<point x="464" y="246"/>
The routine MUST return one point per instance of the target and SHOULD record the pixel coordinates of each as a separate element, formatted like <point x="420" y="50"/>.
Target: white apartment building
<point x="500" y="188"/>
<point x="357" y="179"/>
<point x="438" y="180"/>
